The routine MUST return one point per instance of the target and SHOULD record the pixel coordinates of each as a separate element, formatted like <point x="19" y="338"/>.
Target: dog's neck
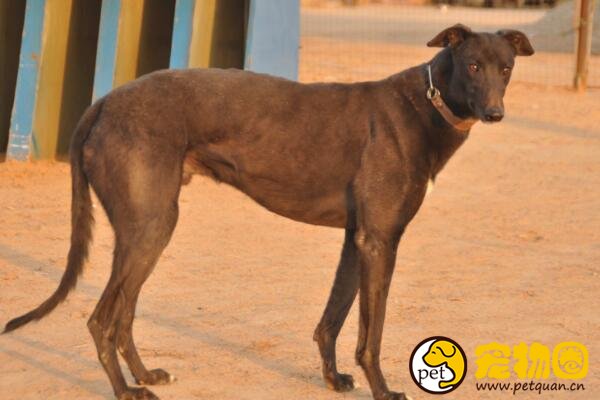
<point x="442" y="67"/>
<point x="411" y="85"/>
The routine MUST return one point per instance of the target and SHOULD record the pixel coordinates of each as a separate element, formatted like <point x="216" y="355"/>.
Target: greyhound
<point x="354" y="156"/>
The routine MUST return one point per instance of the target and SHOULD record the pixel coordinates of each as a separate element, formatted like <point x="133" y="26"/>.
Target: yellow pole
<point x="128" y="42"/>
<point x="46" y="121"/>
<point x="218" y="34"/>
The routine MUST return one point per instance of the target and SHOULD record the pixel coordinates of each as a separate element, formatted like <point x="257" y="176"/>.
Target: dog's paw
<point x="340" y="382"/>
<point x="140" y="393"/>
<point x="156" y="377"/>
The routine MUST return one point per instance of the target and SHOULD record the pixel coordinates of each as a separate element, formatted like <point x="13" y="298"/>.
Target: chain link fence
<point x="371" y="41"/>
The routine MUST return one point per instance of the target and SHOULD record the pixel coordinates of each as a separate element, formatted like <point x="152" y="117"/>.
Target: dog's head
<point x="482" y="66"/>
<point x="440" y="352"/>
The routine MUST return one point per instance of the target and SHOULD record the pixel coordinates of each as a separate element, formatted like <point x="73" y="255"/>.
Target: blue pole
<point x="21" y="135"/>
<point x="106" y="55"/>
<point x="182" y="33"/>
<point x="273" y="37"/>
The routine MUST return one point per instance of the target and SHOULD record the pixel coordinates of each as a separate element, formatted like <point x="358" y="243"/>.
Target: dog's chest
<point x="430" y="184"/>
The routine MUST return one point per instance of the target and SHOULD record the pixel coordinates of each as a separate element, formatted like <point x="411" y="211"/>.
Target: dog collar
<point x="433" y="94"/>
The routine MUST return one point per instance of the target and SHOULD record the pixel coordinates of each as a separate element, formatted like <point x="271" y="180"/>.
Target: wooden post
<point x="584" y="21"/>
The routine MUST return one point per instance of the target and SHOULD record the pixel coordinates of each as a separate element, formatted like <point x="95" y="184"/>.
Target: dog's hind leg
<point x="340" y="300"/>
<point x="143" y="260"/>
<point x="139" y="191"/>
<point x="126" y="345"/>
<point x="136" y="254"/>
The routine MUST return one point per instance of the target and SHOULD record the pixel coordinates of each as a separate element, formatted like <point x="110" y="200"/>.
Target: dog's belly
<point x="326" y="208"/>
<point x="316" y="196"/>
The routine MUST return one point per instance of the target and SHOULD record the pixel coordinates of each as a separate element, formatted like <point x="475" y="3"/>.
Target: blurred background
<point x="375" y="38"/>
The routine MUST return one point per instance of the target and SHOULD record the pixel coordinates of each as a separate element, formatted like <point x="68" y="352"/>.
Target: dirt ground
<point x="506" y="249"/>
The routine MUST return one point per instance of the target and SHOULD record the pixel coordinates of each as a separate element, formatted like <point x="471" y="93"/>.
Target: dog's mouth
<point x="480" y="114"/>
<point x="475" y="110"/>
<point x="485" y="121"/>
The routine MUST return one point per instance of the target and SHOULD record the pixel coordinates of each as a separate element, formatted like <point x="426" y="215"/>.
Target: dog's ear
<point x="452" y="36"/>
<point x="518" y="41"/>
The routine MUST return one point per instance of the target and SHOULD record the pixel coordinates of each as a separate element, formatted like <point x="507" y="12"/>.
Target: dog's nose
<point x="494" y="115"/>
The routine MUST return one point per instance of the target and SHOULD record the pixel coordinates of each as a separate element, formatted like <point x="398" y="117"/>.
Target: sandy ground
<point x="506" y="249"/>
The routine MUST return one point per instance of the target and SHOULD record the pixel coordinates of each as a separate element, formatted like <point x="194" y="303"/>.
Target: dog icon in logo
<point x="438" y="365"/>
<point x="445" y="352"/>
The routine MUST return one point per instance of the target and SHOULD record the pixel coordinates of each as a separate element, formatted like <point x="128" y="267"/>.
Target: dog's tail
<point x="82" y="222"/>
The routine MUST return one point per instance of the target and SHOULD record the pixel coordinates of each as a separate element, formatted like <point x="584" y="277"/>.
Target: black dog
<point x="354" y="156"/>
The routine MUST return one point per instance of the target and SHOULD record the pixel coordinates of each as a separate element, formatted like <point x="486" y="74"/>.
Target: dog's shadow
<point x="278" y="366"/>
<point x="96" y="386"/>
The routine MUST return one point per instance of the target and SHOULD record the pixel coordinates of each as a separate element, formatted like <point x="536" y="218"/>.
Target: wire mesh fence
<point x="376" y="40"/>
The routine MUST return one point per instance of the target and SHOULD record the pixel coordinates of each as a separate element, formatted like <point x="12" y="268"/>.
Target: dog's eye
<point x="506" y="70"/>
<point x="473" y="67"/>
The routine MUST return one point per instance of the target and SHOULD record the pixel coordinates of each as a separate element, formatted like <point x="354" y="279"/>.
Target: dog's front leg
<point x="377" y="252"/>
<point x="341" y="298"/>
